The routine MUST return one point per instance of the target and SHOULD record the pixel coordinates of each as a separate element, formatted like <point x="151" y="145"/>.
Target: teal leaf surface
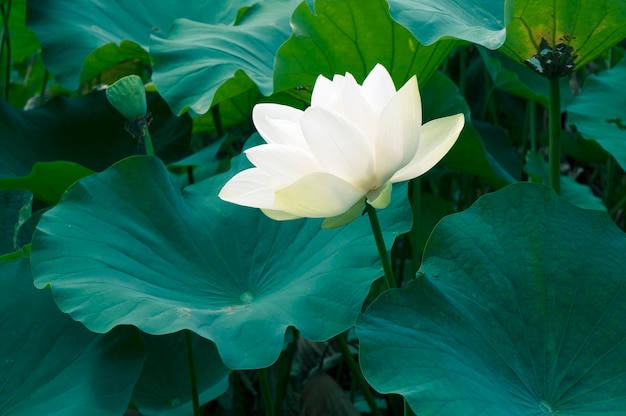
<point x="53" y="366"/>
<point x="573" y="192"/>
<point x="353" y="36"/>
<point x="15" y="205"/>
<point x="47" y="180"/>
<point x="599" y="112"/>
<point x="164" y="386"/>
<point x="195" y="59"/>
<point x="476" y="21"/>
<point x="584" y="28"/>
<point x="518" y="310"/>
<point x="70" y="31"/>
<point x="144" y="253"/>
<point x="440" y="98"/>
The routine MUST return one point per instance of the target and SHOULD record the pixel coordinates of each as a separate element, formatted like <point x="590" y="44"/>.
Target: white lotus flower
<point x="350" y="145"/>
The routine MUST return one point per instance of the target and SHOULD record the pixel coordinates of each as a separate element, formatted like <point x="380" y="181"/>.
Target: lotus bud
<point x="128" y="96"/>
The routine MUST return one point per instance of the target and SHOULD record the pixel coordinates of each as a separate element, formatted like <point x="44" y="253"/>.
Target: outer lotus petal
<point x="279" y="124"/>
<point x="436" y="139"/>
<point x="345" y="218"/>
<point x="398" y="132"/>
<point x="286" y="164"/>
<point x="250" y="188"/>
<point x="338" y="146"/>
<point x="327" y="93"/>
<point x="378" y="88"/>
<point x="380" y="198"/>
<point x="319" y="195"/>
<point x="279" y="215"/>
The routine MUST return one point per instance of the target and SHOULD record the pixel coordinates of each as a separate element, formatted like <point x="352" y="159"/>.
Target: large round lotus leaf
<point x="598" y="112"/>
<point x="353" y="36"/>
<point x="164" y="387"/>
<point x="576" y="31"/>
<point x="71" y="30"/>
<point x="476" y="21"/>
<point x="53" y="366"/>
<point x="126" y="246"/>
<point x="519" y="310"/>
<point x="196" y="58"/>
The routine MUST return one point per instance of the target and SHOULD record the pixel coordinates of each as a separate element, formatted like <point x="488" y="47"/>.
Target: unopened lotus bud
<point x="128" y="96"/>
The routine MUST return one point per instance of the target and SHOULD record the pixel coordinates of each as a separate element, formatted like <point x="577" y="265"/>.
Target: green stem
<point x="616" y="207"/>
<point x="284" y="373"/>
<point x="192" y="373"/>
<point x="147" y="139"/>
<point x="416" y="206"/>
<point x="407" y="410"/>
<point x="532" y="120"/>
<point x="44" y="85"/>
<point x="462" y="66"/>
<point x="488" y="103"/>
<point x="380" y="244"/>
<point x="265" y="392"/>
<point x="6" y="38"/>
<point x="217" y="120"/>
<point x="356" y="373"/>
<point x="554" y="153"/>
<point x="239" y="400"/>
<point x="610" y="175"/>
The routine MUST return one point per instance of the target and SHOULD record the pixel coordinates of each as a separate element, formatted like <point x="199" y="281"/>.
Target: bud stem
<point x="147" y="139"/>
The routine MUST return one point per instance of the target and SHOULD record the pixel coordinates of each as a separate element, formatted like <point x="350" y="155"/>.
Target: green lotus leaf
<point x="555" y="38"/>
<point x="573" y="192"/>
<point x="514" y="79"/>
<point x="52" y="365"/>
<point x="441" y="97"/>
<point x="85" y="130"/>
<point x="476" y="21"/>
<point x="70" y="31"/>
<point x="195" y="58"/>
<point x="164" y="386"/>
<point x="15" y="205"/>
<point x="352" y="36"/>
<point x="599" y="111"/>
<point x="518" y="310"/>
<point x="23" y="41"/>
<point x="127" y="246"/>
<point x="48" y="180"/>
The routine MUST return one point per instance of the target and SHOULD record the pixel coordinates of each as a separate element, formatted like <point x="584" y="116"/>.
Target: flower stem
<point x="416" y="205"/>
<point x="380" y="244"/>
<point x="357" y="374"/>
<point x="266" y="392"/>
<point x="192" y="373"/>
<point x="554" y="154"/>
